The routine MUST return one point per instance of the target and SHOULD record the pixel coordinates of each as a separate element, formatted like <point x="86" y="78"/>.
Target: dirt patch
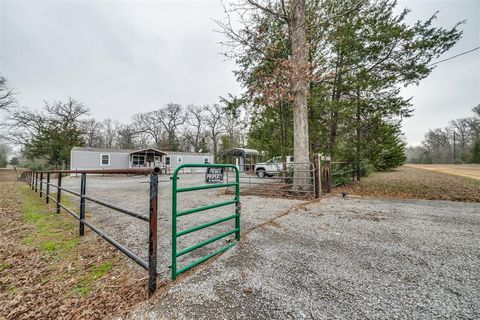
<point x="48" y="272"/>
<point x="413" y="183"/>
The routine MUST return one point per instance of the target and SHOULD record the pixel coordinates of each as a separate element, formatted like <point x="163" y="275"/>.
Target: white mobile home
<point x="82" y="158"/>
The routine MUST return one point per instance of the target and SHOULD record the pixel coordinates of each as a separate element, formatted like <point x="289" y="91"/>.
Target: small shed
<point x="244" y="159"/>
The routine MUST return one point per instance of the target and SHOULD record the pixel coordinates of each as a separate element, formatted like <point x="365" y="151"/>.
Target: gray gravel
<point x="356" y="258"/>
<point x="133" y="194"/>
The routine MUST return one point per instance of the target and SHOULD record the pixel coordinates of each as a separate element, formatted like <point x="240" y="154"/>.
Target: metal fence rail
<point x="287" y="180"/>
<point x="343" y="173"/>
<point x="176" y="214"/>
<point x="36" y="183"/>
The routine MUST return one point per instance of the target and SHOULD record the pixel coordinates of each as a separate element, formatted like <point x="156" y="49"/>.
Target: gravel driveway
<point x="354" y="258"/>
<point x="133" y="193"/>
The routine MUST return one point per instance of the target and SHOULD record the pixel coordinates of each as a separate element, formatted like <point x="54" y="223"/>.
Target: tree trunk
<point x="215" y="147"/>
<point x="359" y="136"/>
<point x="300" y="93"/>
<point x="336" y="95"/>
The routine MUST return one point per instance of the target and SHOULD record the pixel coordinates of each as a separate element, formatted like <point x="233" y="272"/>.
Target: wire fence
<point x="288" y="180"/>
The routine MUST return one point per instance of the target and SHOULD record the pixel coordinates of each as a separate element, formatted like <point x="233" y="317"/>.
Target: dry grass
<point x="7" y="175"/>
<point x="48" y="272"/>
<point x="463" y="170"/>
<point x="416" y="183"/>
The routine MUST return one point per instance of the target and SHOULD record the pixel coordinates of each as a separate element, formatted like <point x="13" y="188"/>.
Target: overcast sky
<point x="120" y="58"/>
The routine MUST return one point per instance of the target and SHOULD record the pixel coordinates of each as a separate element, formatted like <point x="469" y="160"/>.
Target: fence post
<point x="83" y="186"/>
<point x="47" y="194"/>
<point x="41" y="183"/>
<point x="318" y="175"/>
<point x="238" y="205"/>
<point x="326" y="174"/>
<point x="152" y="234"/>
<point x="36" y="181"/>
<point x="59" y="190"/>
<point x="31" y="180"/>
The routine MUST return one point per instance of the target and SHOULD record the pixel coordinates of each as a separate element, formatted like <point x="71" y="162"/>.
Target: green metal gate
<point x="175" y="215"/>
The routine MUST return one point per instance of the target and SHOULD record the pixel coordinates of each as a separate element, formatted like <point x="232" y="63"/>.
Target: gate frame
<point x="175" y="215"/>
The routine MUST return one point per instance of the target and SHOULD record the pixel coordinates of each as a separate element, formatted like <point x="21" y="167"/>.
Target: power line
<point x="458" y="55"/>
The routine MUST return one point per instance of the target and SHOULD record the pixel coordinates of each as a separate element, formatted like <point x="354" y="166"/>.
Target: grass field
<point x="421" y="182"/>
<point x="463" y="170"/>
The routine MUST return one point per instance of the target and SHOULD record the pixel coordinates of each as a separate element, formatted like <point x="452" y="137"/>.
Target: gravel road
<point x="354" y="258"/>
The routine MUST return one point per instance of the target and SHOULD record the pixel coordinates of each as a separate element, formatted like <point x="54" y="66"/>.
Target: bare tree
<point x="92" y="131"/>
<point x="66" y="113"/>
<point x="50" y="134"/>
<point x="194" y="131"/>
<point x="7" y="98"/>
<point x="438" y="145"/>
<point x="110" y="132"/>
<point x="147" y="126"/>
<point x="172" y="117"/>
<point x="461" y="127"/>
<point x="22" y="124"/>
<point x="214" y="126"/>
<point x="4" y="152"/>
<point x="126" y="137"/>
<point x="476" y="110"/>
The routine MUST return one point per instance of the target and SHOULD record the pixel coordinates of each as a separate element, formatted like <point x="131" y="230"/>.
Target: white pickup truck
<point x="272" y="166"/>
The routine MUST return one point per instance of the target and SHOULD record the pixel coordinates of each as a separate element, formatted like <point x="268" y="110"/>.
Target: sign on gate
<point x="214" y="175"/>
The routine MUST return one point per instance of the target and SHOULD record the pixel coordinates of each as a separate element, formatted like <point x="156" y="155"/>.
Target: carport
<point x="243" y="158"/>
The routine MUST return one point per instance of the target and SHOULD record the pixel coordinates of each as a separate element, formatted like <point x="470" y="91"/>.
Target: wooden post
<point x="318" y="175"/>
<point x="326" y="179"/>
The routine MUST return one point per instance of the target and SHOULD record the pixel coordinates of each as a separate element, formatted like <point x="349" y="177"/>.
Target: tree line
<point x="46" y="137"/>
<point x="459" y="142"/>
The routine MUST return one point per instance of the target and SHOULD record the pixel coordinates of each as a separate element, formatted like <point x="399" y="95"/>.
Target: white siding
<point x="188" y="158"/>
<point x="92" y="160"/>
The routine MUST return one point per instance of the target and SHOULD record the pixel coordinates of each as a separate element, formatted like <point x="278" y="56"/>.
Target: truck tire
<point x="261" y="173"/>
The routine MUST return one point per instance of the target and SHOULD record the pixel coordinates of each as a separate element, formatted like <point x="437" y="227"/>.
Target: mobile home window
<point x="105" y="160"/>
<point x="167" y="161"/>
<point x="138" y="161"/>
<point x="179" y="159"/>
<point x="206" y="160"/>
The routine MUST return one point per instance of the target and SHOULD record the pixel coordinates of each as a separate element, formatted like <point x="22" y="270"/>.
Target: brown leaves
<point x="40" y="285"/>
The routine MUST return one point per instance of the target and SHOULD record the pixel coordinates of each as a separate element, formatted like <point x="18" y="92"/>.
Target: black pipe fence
<point x="35" y="180"/>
